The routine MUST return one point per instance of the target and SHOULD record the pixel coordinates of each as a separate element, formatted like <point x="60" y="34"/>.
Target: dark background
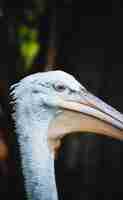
<point x="88" y="38"/>
<point x="90" y="47"/>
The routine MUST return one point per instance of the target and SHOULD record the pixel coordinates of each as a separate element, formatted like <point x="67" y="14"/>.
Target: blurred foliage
<point x="32" y="37"/>
<point x="28" y="44"/>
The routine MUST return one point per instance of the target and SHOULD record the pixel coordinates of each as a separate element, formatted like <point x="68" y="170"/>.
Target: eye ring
<point x="59" y="87"/>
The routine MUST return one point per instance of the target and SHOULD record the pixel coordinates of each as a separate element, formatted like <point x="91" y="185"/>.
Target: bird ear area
<point x="46" y="84"/>
<point x="41" y="86"/>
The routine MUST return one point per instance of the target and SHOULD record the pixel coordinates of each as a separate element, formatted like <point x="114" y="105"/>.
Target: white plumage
<point x="38" y="99"/>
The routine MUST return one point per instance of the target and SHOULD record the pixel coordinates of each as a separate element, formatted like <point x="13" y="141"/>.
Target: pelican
<point x="47" y="106"/>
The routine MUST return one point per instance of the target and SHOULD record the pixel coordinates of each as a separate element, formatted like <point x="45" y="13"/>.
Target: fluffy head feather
<point x="36" y="100"/>
<point x="46" y="88"/>
<point x="45" y="79"/>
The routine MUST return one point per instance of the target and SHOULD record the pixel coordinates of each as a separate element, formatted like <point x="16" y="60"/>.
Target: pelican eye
<point x="59" y="87"/>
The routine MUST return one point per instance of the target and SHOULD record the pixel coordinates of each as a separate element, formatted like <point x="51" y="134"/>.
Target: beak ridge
<point x="95" y="107"/>
<point x="110" y="114"/>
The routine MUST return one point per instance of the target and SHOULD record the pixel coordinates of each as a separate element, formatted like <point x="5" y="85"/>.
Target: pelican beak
<point x="95" y="107"/>
<point x="88" y="114"/>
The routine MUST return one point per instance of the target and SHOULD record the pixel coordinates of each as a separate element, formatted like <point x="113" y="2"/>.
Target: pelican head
<point x="48" y="106"/>
<point x="59" y="93"/>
